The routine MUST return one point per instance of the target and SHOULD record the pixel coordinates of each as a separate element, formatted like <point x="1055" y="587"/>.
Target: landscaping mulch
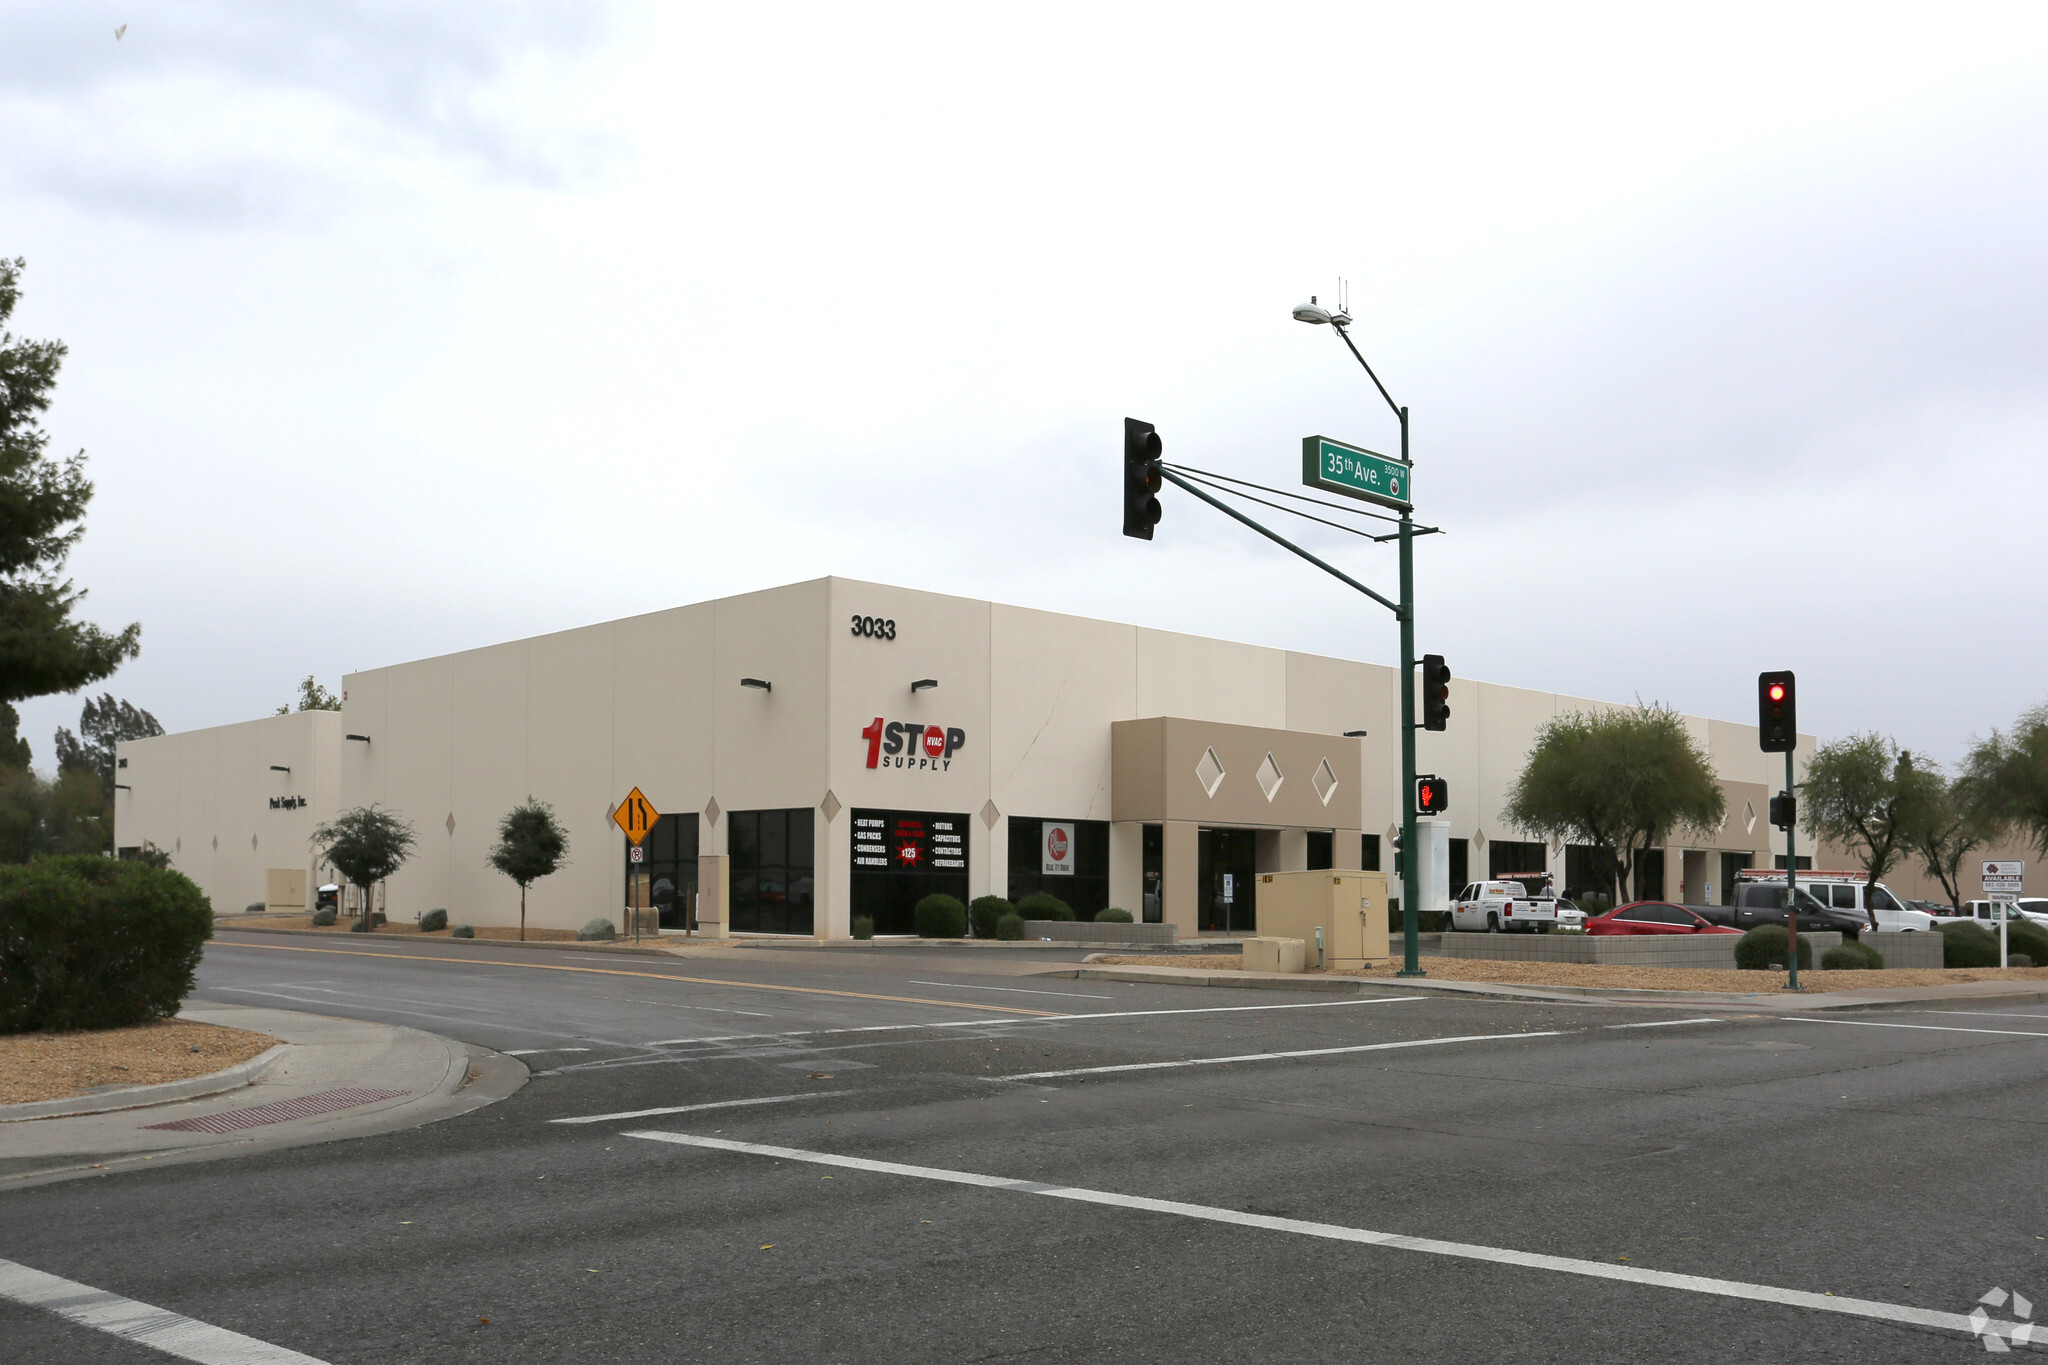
<point x="52" y="1066"/>
<point x="407" y="928"/>
<point x="1624" y="978"/>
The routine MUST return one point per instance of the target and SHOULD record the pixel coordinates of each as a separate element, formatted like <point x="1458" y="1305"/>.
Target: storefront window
<point x="773" y="886"/>
<point x="902" y="856"/>
<point x="665" y="877"/>
<point x="1085" y="853"/>
<point x="1322" y="847"/>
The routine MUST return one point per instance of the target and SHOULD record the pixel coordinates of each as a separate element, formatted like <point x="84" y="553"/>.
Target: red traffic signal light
<point x="1432" y="795"/>
<point x="1777" y="712"/>
<point x="1436" y="692"/>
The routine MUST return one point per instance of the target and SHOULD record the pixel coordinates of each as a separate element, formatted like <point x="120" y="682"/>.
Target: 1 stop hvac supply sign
<point x="912" y="744"/>
<point x="1056" y="849"/>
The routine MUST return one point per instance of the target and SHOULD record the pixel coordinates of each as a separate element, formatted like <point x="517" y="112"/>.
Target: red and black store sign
<point x="912" y="744"/>
<point x="909" y="842"/>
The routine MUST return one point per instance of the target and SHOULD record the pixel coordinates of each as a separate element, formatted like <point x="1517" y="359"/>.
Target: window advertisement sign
<point x="901" y="856"/>
<point x="1056" y="848"/>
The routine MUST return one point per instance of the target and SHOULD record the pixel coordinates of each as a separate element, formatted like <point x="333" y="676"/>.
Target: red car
<point x="1653" y="917"/>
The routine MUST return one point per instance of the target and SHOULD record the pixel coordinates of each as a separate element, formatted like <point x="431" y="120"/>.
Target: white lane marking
<point x="1935" y="1028"/>
<point x="172" y="1333"/>
<point x="1986" y="1014"/>
<point x="1666" y="1023"/>
<point x="693" y="1108"/>
<point x="1627" y="1274"/>
<point x="535" y="1051"/>
<point x="1275" y="1056"/>
<point x="1048" y="1019"/>
<point x="1012" y="990"/>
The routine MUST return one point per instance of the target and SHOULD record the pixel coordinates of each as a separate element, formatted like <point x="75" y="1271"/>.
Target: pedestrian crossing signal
<point x="1432" y="795"/>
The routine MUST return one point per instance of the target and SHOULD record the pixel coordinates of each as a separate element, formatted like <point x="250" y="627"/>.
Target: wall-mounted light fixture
<point x="123" y="787"/>
<point x="279" y="768"/>
<point x="360" y="739"/>
<point x="921" y="684"/>
<point x="1354" y="734"/>
<point x="757" y="682"/>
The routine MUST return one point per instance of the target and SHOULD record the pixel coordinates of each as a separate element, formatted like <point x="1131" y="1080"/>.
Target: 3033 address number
<point x="873" y="628"/>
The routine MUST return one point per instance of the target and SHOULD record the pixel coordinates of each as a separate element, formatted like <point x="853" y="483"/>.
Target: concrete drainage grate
<point x="325" y="1102"/>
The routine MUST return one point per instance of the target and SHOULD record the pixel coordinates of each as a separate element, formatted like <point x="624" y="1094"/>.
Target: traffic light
<point x="1432" y="795"/>
<point x="1777" y="720"/>
<point x="1784" y="810"/>
<point x="1141" y="478"/>
<point x="1436" y="692"/>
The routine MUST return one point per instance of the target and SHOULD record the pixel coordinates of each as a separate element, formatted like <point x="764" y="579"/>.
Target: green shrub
<point x="254" y="908"/>
<point x="362" y="925"/>
<point x="599" y="930"/>
<point x="1044" y="905"/>
<point x="88" y="942"/>
<point x="1764" y="947"/>
<point x="985" y="912"/>
<point x="863" y="927"/>
<point x="2018" y="960"/>
<point x="2026" y="938"/>
<point x="940" y="917"/>
<point x="434" y="921"/>
<point x="324" y="917"/>
<point x="1968" y="945"/>
<point x="1851" y="955"/>
<point x="1112" y="916"/>
<point x="462" y="931"/>
<point x="1010" y="927"/>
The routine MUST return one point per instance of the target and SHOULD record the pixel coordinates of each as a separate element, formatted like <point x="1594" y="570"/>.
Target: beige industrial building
<point x="834" y="749"/>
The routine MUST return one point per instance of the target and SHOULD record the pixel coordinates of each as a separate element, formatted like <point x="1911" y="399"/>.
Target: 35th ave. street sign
<point x="1355" y="472"/>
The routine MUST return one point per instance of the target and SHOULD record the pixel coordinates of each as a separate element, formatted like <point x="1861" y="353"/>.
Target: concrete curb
<point x="557" y="945"/>
<point x="1906" y="997"/>
<point x="141" y="1096"/>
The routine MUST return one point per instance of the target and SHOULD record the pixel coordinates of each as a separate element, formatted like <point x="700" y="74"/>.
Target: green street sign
<point x="1355" y="472"/>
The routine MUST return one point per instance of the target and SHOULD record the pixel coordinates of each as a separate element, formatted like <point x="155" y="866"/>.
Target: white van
<point x="1852" y="891"/>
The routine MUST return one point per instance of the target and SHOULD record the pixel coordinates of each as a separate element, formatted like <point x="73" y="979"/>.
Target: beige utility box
<point x="284" y="888"/>
<point x="1349" y="908"/>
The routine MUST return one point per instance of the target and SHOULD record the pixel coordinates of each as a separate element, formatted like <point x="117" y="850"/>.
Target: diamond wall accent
<point x="1270" y="777"/>
<point x="1325" y="781"/>
<point x="1479" y="838"/>
<point x="989" y="814"/>
<point x="451" y="824"/>
<point x="711" y="812"/>
<point x="1749" y="817"/>
<point x="830" y="805"/>
<point x="1209" y="771"/>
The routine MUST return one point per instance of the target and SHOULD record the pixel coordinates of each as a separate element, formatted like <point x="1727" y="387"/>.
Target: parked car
<point x="1986" y="912"/>
<point x="1846" y="891"/>
<point x="1938" y="909"/>
<point x="1655" y="917"/>
<point x="1569" y="916"/>
<point x="1506" y="907"/>
<point x="1768" y="902"/>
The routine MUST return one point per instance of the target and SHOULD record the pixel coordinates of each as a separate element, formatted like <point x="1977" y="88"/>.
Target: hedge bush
<point x="2028" y="938"/>
<point x="1968" y="945"/>
<point x="1852" y="955"/>
<point x="1010" y="927"/>
<point x="89" y="942"/>
<point x="985" y="911"/>
<point x="324" y="917"/>
<point x="863" y="927"/>
<point x="1112" y="916"/>
<point x="1764" y="947"/>
<point x="941" y="917"/>
<point x="599" y="930"/>
<point x="1044" y="905"/>
<point x="434" y="921"/>
<point x="362" y="925"/>
<point x="462" y="931"/>
<point x="2018" y="960"/>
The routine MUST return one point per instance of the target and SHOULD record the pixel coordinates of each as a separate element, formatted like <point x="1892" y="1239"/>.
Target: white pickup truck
<point x="1498" y="907"/>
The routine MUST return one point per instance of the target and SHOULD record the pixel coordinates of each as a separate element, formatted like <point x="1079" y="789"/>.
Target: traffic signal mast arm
<point x="1282" y="541"/>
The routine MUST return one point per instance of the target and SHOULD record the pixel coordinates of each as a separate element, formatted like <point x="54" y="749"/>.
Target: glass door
<point x="1227" y="860"/>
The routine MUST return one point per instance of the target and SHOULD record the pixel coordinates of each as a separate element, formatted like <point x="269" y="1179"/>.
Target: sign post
<point x="2003" y="882"/>
<point x="635" y="815"/>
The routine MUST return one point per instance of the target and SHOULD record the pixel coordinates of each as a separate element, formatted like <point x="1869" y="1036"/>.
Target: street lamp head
<point x="1312" y="312"/>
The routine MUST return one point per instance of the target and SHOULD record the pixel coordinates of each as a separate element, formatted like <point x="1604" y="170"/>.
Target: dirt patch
<point x="52" y="1066"/>
<point x="1616" y="977"/>
<point x="405" y="928"/>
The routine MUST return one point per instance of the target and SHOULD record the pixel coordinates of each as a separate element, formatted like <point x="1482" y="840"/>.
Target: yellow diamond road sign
<point x="636" y="815"/>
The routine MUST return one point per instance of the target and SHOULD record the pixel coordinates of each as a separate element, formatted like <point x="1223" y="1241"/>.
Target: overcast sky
<point x="398" y="328"/>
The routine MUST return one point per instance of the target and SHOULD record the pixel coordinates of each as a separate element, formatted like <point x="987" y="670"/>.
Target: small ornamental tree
<point x="366" y="845"/>
<point x="531" y="844"/>
<point x="1863" y="794"/>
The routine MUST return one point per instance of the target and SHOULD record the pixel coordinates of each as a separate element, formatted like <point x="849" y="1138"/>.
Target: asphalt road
<point x="1181" y="1208"/>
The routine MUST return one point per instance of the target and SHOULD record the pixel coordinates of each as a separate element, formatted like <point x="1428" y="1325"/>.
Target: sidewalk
<point x="1774" y="1001"/>
<point x="331" y="1078"/>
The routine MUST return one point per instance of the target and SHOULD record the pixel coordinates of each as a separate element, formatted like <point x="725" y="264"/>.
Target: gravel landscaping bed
<point x="1616" y="977"/>
<point x="54" y="1066"/>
